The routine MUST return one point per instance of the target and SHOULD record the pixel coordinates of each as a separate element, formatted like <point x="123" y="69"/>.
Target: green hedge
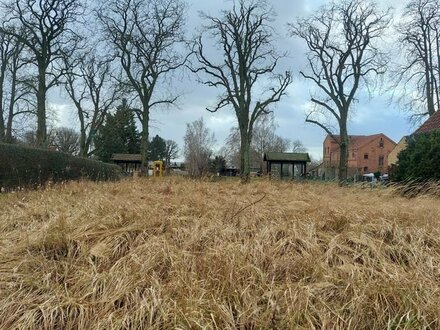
<point x="22" y="166"/>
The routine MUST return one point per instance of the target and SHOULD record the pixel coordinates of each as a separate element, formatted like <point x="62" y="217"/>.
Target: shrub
<point x="420" y="161"/>
<point x="22" y="166"/>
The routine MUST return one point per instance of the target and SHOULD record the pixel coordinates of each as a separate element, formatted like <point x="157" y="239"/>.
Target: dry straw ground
<point x="178" y="254"/>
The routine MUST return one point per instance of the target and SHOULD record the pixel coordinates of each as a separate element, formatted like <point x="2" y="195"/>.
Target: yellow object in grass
<point x="158" y="168"/>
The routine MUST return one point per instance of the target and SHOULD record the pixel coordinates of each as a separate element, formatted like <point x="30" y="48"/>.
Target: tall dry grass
<point x="178" y="254"/>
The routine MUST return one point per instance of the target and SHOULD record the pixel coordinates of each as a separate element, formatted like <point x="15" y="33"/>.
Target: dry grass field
<point x="180" y="254"/>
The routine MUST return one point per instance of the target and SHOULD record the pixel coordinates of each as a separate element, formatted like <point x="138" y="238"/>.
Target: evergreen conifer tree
<point x="118" y="135"/>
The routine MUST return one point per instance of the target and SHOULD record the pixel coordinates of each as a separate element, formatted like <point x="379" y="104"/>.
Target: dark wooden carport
<point x="128" y="162"/>
<point x="286" y="159"/>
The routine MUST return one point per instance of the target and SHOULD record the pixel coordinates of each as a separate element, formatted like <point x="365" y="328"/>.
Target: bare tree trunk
<point x="431" y="107"/>
<point x="83" y="148"/>
<point x="8" y="136"/>
<point x="244" y="157"/>
<point x="428" y="73"/>
<point x="437" y="43"/>
<point x="429" y="95"/>
<point x="84" y="140"/>
<point x="343" y="158"/>
<point x="2" y="120"/>
<point x="41" y="107"/>
<point x="2" y="130"/>
<point x="144" y="141"/>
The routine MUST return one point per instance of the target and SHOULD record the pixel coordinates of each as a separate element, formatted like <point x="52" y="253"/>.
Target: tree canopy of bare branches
<point x="144" y="35"/>
<point x="89" y="83"/>
<point x="342" y="55"/>
<point x="45" y="29"/>
<point x="171" y="152"/>
<point x="66" y="140"/>
<point x="247" y="57"/>
<point x="13" y="92"/>
<point x="264" y="139"/>
<point x="199" y="141"/>
<point x="417" y="78"/>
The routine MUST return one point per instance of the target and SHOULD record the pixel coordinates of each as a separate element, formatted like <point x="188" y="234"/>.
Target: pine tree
<point x="118" y="135"/>
<point x="157" y="149"/>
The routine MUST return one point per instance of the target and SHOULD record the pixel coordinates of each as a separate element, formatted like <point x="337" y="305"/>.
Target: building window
<point x="365" y="169"/>
<point x="365" y="156"/>
<point x="381" y="160"/>
<point x="352" y="155"/>
<point x="381" y="143"/>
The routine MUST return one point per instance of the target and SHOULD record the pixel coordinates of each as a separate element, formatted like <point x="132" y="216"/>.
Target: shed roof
<point x="127" y="157"/>
<point x="431" y="124"/>
<point x="287" y="156"/>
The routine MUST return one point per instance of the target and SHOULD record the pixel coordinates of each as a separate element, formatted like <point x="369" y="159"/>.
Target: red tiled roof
<point x="357" y="141"/>
<point x="432" y="124"/>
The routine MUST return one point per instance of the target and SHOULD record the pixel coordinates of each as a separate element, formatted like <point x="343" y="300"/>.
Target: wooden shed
<point x="129" y="163"/>
<point x="286" y="164"/>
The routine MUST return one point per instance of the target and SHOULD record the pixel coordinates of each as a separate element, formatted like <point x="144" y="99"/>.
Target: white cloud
<point x="62" y="114"/>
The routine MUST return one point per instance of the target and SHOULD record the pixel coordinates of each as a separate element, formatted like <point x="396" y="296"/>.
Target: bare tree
<point x="92" y="89"/>
<point x="231" y="149"/>
<point x="264" y="139"/>
<point x="199" y="142"/>
<point x="66" y="140"/>
<point x="144" y="35"/>
<point x="13" y="92"/>
<point x="29" y="138"/>
<point x="45" y="28"/>
<point x="297" y="146"/>
<point x="417" y="78"/>
<point x="342" y="55"/>
<point x="248" y="56"/>
<point x="171" y="152"/>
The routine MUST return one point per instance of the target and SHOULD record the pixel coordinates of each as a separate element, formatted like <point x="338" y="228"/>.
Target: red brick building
<point x="366" y="154"/>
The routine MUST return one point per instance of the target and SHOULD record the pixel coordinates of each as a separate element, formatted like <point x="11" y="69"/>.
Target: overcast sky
<point x="371" y="115"/>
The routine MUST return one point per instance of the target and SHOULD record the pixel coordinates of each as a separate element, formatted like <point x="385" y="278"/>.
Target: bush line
<point x="26" y="167"/>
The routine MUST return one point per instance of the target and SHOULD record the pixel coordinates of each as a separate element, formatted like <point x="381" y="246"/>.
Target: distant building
<point x="366" y="154"/>
<point x="393" y="156"/>
<point x="229" y="171"/>
<point x="129" y="163"/>
<point x="430" y="125"/>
